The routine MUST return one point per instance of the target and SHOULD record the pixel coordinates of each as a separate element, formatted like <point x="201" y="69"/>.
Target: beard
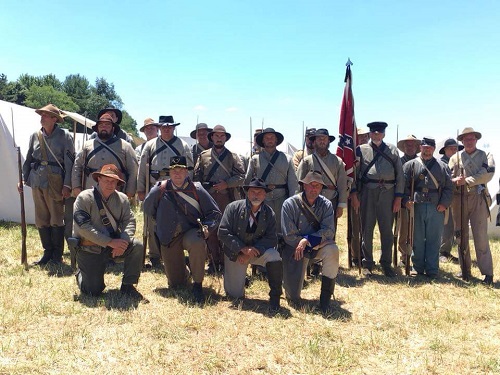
<point x="219" y="146"/>
<point x="256" y="202"/>
<point x="104" y="135"/>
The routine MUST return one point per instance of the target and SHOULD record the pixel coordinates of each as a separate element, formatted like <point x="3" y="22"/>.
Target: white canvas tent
<point x="26" y="122"/>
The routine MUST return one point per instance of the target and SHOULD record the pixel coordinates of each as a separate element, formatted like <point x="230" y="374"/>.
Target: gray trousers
<point x="91" y="267"/>
<point x="234" y="272"/>
<point x="448" y="238"/>
<point x="376" y="207"/>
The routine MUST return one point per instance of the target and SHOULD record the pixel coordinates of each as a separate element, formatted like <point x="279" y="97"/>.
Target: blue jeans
<point x="428" y="230"/>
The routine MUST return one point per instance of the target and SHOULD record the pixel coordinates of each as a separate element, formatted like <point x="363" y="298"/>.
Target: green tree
<point x="78" y="88"/>
<point x="128" y="124"/>
<point x="107" y="90"/>
<point x="14" y="92"/>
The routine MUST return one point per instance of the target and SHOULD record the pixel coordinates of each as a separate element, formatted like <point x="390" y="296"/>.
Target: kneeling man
<point x="307" y="221"/>
<point x="105" y="226"/>
<point x="248" y="234"/>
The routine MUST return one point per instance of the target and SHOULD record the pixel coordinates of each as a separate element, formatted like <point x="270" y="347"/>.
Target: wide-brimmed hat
<point x="218" y="129"/>
<point x="313" y="176"/>
<point x="466" y="131"/>
<point x="322" y="132"/>
<point x="109" y="170"/>
<point x="105" y="118"/>
<point x="377" y="126"/>
<point x="179" y="162"/>
<point x="147" y="122"/>
<point x="53" y="110"/>
<point x="450" y="142"/>
<point x="261" y="135"/>
<point x="117" y="112"/>
<point x="401" y="142"/>
<point x="428" y="141"/>
<point x="362" y="131"/>
<point x="199" y="126"/>
<point x="257" y="183"/>
<point x="167" y="121"/>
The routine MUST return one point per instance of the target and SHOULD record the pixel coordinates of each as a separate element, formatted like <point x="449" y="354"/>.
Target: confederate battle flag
<point x="347" y="127"/>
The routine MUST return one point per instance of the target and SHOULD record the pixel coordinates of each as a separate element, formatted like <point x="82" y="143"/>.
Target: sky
<point x="428" y="68"/>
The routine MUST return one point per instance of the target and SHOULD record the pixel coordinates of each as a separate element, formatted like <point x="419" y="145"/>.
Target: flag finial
<point x="349" y="62"/>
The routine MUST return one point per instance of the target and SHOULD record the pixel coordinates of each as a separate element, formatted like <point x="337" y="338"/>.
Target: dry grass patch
<point x="384" y="326"/>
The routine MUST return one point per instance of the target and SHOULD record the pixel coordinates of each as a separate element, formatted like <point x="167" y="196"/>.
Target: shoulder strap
<point x="270" y="165"/>
<point x="102" y="212"/>
<point x="428" y="170"/>
<point x="308" y="212"/>
<point x="216" y="165"/>
<point x="326" y="170"/>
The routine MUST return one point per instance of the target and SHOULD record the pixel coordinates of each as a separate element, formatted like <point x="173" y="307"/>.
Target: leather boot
<point x="45" y="237"/>
<point x="327" y="289"/>
<point x="275" y="280"/>
<point x="57" y="237"/>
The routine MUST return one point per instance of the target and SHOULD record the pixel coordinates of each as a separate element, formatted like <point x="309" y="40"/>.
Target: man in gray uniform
<point x="380" y="183"/>
<point x="107" y="148"/>
<point x="150" y="130"/>
<point x="331" y="167"/>
<point x="299" y="155"/>
<point x="153" y="165"/>
<point x="450" y="148"/>
<point x="47" y="170"/>
<point x="473" y="169"/>
<point x="307" y="225"/>
<point x="200" y="133"/>
<point x="275" y="169"/>
<point x="221" y="173"/>
<point x="105" y="225"/>
<point x="429" y="180"/>
<point x="248" y="234"/>
<point x="185" y="215"/>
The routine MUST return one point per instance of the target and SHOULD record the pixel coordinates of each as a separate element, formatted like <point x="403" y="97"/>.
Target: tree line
<point x="74" y="94"/>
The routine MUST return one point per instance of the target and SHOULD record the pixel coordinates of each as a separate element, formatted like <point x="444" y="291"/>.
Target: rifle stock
<point x="411" y="225"/>
<point x="24" y="254"/>
<point x="395" y="239"/>
<point x="462" y="244"/>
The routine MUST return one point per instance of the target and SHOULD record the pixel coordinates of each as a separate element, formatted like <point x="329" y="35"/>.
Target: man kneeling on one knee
<point x="248" y="234"/>
<point x="307" y="221"/>
<point x="105" y="226"/>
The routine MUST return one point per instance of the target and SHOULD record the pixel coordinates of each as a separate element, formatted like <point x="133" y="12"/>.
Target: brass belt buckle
<point x="271" y="187"/>
<point x="44" y="162"/>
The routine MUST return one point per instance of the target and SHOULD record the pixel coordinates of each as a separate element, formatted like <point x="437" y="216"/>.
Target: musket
<point x="210" y="256"/>
<point x="462" y="245"/>
<point x="84" y="153"/>
<point x="411" y="224"/>
<point x="349" y="236"/>
<point x="397" y="224"/>
<point x="146" y="220"/>
<point x="24" y="253"/>
<point x="251" y="139"/>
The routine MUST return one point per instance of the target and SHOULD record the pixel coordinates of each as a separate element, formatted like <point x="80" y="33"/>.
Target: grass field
<point x="380" y="325"/>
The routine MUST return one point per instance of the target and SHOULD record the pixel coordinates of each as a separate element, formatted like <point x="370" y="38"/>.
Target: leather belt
<point x="272" y="187"/>
<point x="381" y="182"/>
<point x="84" y="242"/>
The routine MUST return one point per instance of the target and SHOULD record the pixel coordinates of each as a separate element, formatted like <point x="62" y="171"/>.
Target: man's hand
<point x="396" y="205"/>
<point x="441" y="208"/>
<point x="206" y="233"/>
<point x="222" y="185"/>
<point x="141" y="195"/>
<point x="409" y="205"/>
<point x="118" y="245"/>
<point x="20" y="188"/>
<point x="299" y="250"/>
<point x="77" y="191"/>
<point x="459" y="181"/>
<point x="338" y="212"/>
<point x="355" y="201"/>
<point x="66" y="192"/>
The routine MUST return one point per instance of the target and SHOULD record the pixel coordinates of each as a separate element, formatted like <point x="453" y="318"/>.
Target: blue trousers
<point x="428" y="230"/>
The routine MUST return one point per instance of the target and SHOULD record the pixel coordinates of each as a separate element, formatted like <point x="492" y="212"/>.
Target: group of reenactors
<point x="267" y="209"/>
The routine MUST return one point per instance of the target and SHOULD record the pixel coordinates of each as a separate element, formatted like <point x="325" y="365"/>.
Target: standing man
<point x="248" y="234"/>
<point x="107" y="148"/>
<point x="221" y="173"/>
<point x="200" y="133"/>
<point x="185" y="215"/>
<point x="332" y="169"/>
<point x="409" y="147"/>
<point x="275" y="169"/>
<point x="432" y="195"/>
<point x="47" y="170"/>
<point x="299" y="155"/>
<point x="105" y="225"/>
<point x="150" y="130"/>
<point x="473" y="169"/>
<point x="307" y="226"/>
<point x="154" y="164"/>
<point x="116" y="115"/>
<point x="450" y="148"/>
<point x="380" y="183"/>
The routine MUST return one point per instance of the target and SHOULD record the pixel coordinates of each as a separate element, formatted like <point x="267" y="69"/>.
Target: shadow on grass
<point x="112" y="299"/>
<point x="259" y="306"/>
<point x="184" y="295"/>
